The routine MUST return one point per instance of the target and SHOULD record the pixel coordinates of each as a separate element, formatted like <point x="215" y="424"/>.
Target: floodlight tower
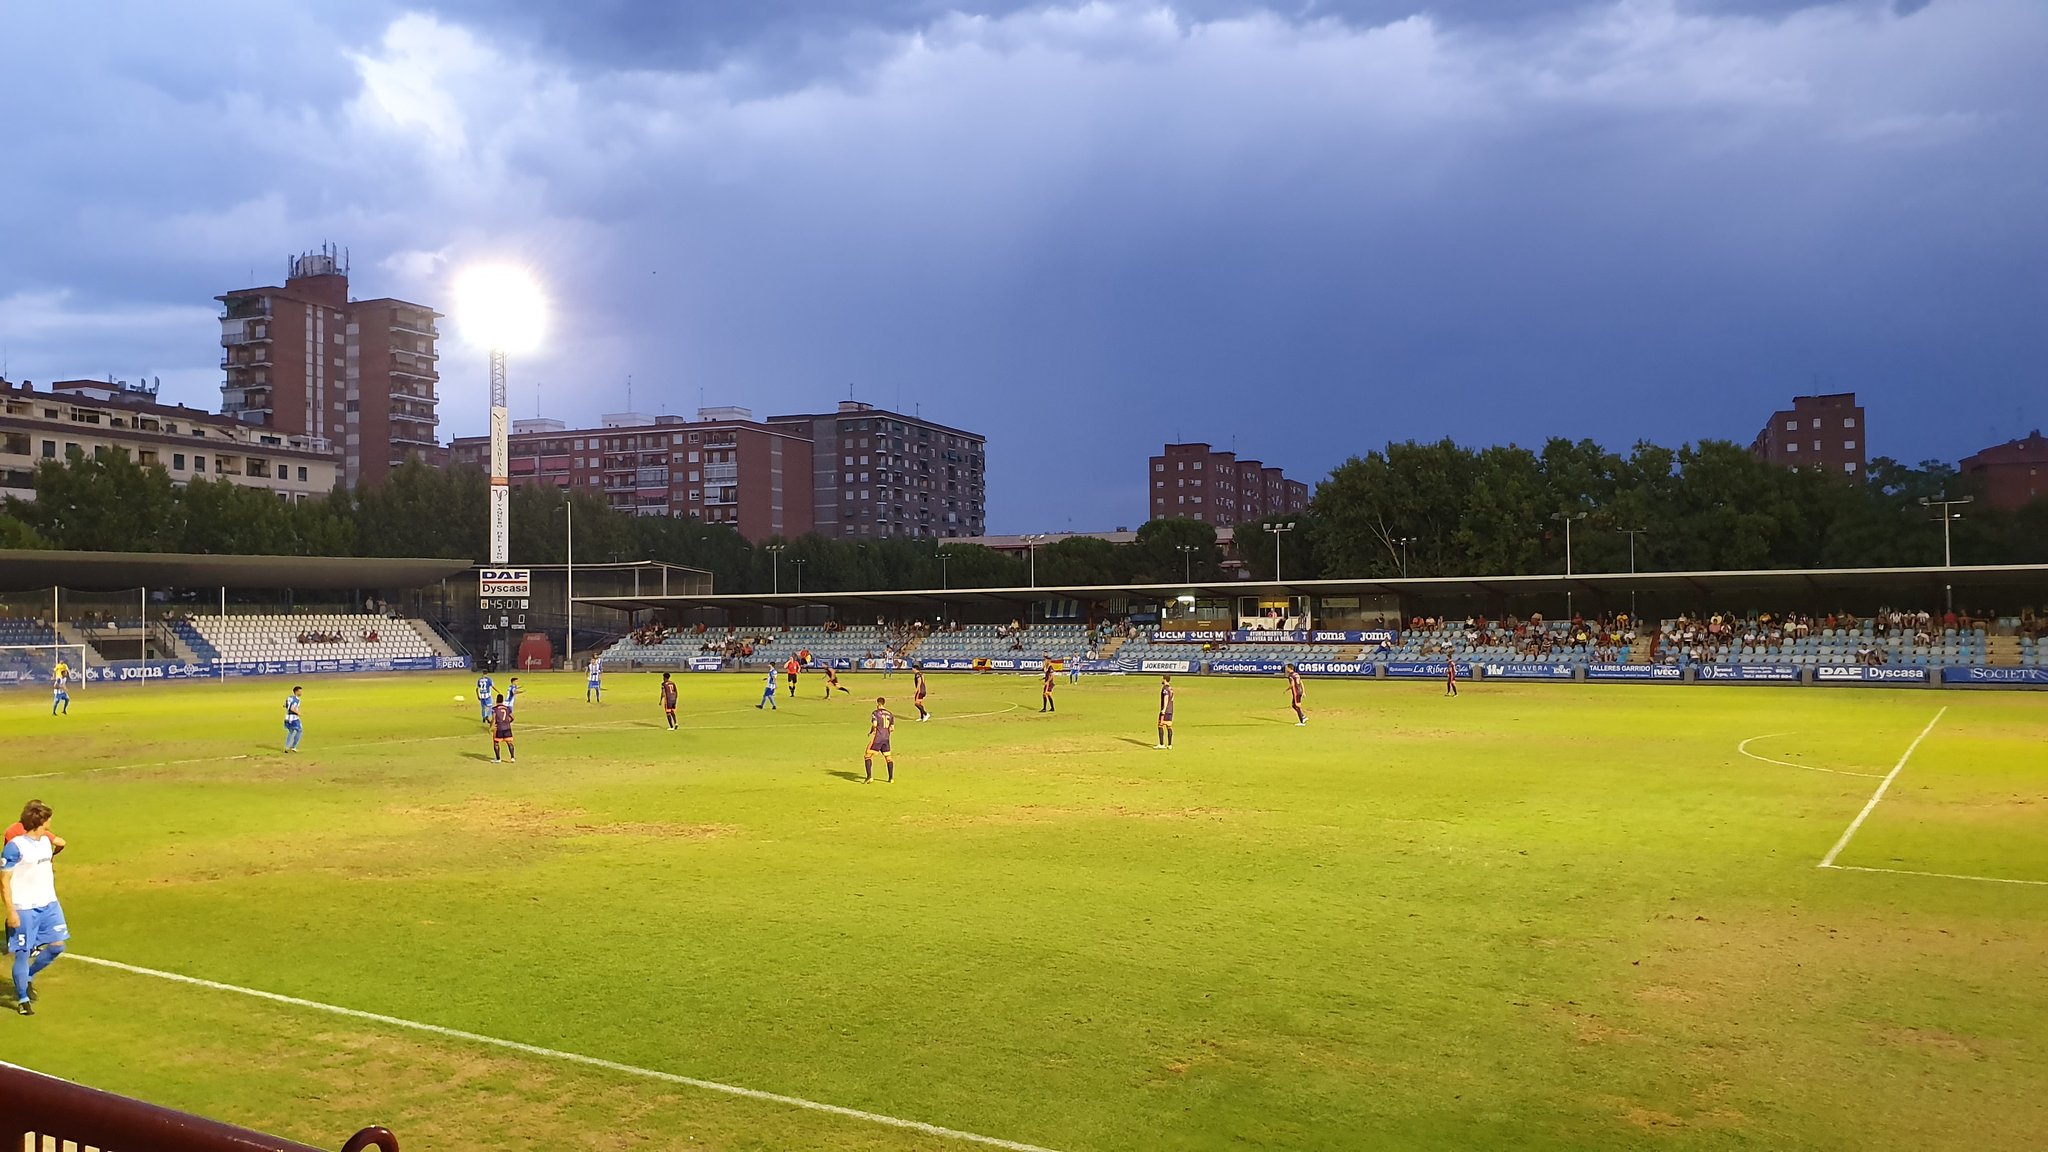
<point x="500" y="307"/>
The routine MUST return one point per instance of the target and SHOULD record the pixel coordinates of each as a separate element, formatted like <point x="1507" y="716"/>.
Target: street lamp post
<point x="942" y="556"/>
<point x="1945" y="504"/>
<point x="1277" y="530"/>
<point x="1632" y="533"/>
<point x="1031" y="549"/>
<point x="1404" y="542"/>
<point x="1187" y="561"/>
<point x="799" y="575"/>
<point x="1568" y="517"/>
<point x="775" y="552"/>
<point x="569" y="602"/>
<point x="1947" y="557"/>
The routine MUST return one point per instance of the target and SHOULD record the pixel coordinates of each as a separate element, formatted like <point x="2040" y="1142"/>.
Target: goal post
<point x="35" y="665"/>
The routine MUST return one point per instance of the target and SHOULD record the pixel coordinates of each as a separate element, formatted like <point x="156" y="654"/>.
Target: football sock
<point x="21" y="975"/>
<point x="43" y="959"/>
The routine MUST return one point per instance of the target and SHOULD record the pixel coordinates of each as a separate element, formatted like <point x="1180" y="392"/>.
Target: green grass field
<point x="1533" y="917"/>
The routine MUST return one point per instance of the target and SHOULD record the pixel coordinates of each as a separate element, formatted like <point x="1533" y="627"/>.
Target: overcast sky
<point x="1083" y="229"/>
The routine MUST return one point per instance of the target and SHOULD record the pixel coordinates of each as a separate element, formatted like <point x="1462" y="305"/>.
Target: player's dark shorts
<point x="880" y="743"/>
<point x="1166" y="717"/>
<point x="504" y="733"/>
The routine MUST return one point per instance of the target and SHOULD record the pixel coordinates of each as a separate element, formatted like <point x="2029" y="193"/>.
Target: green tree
<point x="1080" y="560"/>
<point x="16" y="534"/>
<point x="103" y="503"/>
<point x="1155" y="555"/>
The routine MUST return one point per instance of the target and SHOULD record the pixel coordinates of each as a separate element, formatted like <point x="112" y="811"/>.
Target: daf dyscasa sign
<point x="504" y="583"/>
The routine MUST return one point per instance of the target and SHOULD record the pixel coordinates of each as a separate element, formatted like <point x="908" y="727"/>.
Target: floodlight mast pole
<point x="501" y="484"/>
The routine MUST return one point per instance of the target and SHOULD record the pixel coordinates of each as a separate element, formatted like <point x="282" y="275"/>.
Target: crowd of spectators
<point x="1710" y="638"/>
<point x="1601" y="638"/>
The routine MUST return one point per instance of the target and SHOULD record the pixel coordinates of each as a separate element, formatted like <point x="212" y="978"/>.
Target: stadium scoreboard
<point x="503" y="595"/>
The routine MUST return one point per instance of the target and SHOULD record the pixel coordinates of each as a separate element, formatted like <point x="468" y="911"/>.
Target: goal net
<point x="35" y="665"/>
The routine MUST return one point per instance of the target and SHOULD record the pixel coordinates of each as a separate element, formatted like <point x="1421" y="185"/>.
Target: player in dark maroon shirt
<point x="881" y="724"/>
<point x="501" y="730"/>
<point x="1045" y="703"/>
<point x="1165" y="712"/>
<point x="1294" y="695"/>
<point x="668" y="700"/>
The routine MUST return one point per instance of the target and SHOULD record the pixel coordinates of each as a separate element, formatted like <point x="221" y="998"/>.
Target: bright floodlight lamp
<point x="499" y="307"/>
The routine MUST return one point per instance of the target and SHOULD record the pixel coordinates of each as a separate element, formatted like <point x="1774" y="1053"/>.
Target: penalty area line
<point x="1744" y="749"/>
<point x="576" y="1058"/>
<point x="1935" y="875"/>
<point x="1828" y="861"/>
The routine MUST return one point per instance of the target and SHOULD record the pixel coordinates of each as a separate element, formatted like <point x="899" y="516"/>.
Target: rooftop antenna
<point x="629" y="391"/>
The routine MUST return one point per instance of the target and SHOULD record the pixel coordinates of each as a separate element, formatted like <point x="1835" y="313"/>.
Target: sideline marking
<point x="1744" y="749"/>
<point x="1828" y="861"/>
<point x="575" y="1058"/>
<point x="1936" y="875"/>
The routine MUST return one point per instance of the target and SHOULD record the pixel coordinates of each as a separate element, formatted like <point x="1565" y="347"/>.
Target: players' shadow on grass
<point x="843" y="774"/>
<point x="476" y="756"/>
<point x="1134" y="740"/>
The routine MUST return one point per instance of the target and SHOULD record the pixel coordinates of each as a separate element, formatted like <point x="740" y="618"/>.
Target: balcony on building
<point x="245" y="308"/>
<point x="235" y="400"/>
<point x="414" y="324"/>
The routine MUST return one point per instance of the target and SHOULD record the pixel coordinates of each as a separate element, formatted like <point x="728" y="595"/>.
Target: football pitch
<point x="1535" y="916"/>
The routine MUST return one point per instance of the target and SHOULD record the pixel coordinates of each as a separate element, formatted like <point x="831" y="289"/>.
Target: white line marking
<point x="1828" y="861"/>
<point x="1936" y="875"/>
<point x="576" y="1058"/>
<point x="977" y="715"/>
<point x="1744" y="749"/>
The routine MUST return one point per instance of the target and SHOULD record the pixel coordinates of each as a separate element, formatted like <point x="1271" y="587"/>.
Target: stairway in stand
<point x="2002" y="651"/>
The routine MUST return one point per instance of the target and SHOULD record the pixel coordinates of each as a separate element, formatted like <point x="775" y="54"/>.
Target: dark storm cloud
<point x="1088" y="228"/>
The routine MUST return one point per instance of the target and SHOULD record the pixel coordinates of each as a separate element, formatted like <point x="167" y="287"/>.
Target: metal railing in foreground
<point x="41" y="1113"/>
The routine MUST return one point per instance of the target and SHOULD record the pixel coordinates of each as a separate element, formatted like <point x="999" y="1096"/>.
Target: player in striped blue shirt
<point x="292" y="730"/>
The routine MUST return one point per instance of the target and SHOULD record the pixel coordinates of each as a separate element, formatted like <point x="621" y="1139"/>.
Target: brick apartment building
<point x="724" y="467"/>
<point x="1825" y="432"/>
<point x="2012" y="474"/>
<point x="882" y="473"/>
<point x="305" y="360"/>
<point x="1196" y="482"/>
<point x="94" y="417"/>
<point x="877" y="473"/>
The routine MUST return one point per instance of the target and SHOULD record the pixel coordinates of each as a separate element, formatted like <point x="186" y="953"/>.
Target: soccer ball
<point x="458" y="699"/>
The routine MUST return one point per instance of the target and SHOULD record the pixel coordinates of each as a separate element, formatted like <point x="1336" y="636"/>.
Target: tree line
<point x="1442" y="509"/>
<point x="111" y="503"/>
<point x="1435" y="509"/>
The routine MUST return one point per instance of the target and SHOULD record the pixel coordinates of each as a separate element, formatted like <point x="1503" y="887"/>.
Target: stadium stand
<point x="353" y="636"/>
<point x="1899" y="639"/>
<point x="25" y="665"/>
